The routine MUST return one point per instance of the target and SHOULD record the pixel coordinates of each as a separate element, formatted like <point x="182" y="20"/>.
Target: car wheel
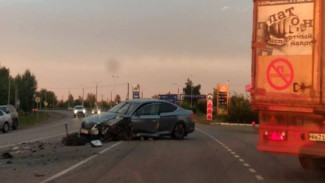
<point x="5" y="127"/>
<point x="15" y="124"/>
<point x="179" y="131"/>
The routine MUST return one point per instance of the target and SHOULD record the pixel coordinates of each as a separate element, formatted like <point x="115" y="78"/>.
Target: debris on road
<point x="96" y="143"/>
<point x="38" y="174"/>
<point x="74" y="140"/>
<point x="6" y="155"/>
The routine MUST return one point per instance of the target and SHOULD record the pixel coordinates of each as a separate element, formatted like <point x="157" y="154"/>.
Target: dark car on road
<point x="141" y="117"/>
<point x="11" y="110"/>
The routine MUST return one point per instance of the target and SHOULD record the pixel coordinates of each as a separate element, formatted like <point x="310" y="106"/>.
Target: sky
<point x="73" y="44"/>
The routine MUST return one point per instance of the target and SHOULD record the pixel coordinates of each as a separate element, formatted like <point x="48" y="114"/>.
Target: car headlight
<point x="99" y="111"/>
<point x="84" y="110"/>
<point x="75" y="111"/>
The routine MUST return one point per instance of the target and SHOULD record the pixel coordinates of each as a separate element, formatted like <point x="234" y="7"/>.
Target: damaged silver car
<point x="139" y="118"/>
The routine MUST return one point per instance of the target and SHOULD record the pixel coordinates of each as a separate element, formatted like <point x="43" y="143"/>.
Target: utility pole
<point x="111" y="98"/>
<point x="115" y="78"/>
<point x="191" y="97"/>
<point x="83" y="93"/>
<point x="45" y="100"/>
<point x="16" y="97"/>
<point x="96" y="94"/>
<point x="127" y="94"/>
<point x="69" y="100"/>
<point x="9" y="91"/>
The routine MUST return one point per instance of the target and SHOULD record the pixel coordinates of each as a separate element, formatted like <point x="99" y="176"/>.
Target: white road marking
<point x="80" y="163"/>
<point x="252" y="170"/>
<point x="246" y="164"/>
<point x="259" y="177"/>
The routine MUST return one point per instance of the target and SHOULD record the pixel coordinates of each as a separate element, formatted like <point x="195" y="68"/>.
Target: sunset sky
<point x="71" y="44"/>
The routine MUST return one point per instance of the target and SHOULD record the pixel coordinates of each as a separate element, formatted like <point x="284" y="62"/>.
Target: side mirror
<point x="7" y="112"/>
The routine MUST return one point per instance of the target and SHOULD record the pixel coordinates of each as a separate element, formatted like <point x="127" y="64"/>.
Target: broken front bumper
<point x="92" y="131"/>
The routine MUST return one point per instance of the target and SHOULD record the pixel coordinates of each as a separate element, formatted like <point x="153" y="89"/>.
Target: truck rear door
<point x="285" y="62"/>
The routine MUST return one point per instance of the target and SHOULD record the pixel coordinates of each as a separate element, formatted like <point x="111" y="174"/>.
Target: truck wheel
<point x="5" y="127"/>
<point x="309" y="163"/>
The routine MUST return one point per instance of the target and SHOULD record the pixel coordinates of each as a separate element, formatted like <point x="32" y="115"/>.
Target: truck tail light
<point x="275" y="135"/>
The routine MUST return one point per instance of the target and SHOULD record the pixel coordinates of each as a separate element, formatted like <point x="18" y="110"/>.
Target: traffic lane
<point x="272" y="167"/>
<point x="54" y="127"/>
<point x="194" y="159"/>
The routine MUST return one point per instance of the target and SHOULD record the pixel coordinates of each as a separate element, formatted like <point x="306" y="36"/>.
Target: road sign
<point x="280" y="74"/>
<point x="173" y="98"/>
<point x="222" y="99"/>
<point x="136" y="95"/>
<point x="37" y="99"/>
<point x="209" y="106"/>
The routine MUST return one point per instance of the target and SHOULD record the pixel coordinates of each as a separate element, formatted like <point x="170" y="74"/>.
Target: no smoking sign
<point x="280" y="74"/>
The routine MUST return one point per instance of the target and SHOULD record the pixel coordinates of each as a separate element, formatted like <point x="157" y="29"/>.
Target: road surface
<point x="210" y="154"/>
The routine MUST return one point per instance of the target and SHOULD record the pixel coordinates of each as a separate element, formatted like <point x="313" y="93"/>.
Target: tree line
<point x="19" y="90"/>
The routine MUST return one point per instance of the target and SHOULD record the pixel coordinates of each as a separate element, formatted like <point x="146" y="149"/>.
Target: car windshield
<point x="3" y="108"/>
<point x="116" y="107"/>
<point x="79" y="107"/>
<point x="128" y="108"/>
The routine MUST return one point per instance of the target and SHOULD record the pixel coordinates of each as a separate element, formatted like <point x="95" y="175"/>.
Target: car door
<point x="168" y="117"/>
<point x="146" y="119"/>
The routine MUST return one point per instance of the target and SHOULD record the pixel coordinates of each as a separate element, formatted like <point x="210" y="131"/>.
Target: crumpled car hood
<point x="100" y="118"/>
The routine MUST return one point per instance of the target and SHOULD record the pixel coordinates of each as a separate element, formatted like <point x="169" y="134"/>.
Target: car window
<point x="1" y="114"/>
<point x="166" y="107"/>
<point x="3" y="108"/>
<point x="150" y="109"/>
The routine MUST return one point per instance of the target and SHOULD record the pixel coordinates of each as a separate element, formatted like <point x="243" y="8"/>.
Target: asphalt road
<point x="210" y="154"/>
<point x="54" y="127"/>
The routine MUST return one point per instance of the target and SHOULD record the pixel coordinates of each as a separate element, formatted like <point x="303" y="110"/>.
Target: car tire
<point x="15" y="124"/>
<point x="179" y="131"/>
<point x="5" y="127"/>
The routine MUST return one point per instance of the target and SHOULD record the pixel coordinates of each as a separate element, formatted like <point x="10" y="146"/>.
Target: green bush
<point x="240" y="110"/>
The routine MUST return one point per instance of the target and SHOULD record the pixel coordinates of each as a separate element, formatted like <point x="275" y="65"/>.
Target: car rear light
<point x="324" y="122"/>
<point x="275" y="135"/>
<point x="192" y="116"/>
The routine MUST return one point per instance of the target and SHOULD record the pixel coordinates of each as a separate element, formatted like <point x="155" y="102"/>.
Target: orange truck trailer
<point x="288" y="77"/>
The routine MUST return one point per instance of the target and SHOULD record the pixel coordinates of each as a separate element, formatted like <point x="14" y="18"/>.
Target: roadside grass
<point x="202" y="118"/>
<point x="30" y="119"/>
